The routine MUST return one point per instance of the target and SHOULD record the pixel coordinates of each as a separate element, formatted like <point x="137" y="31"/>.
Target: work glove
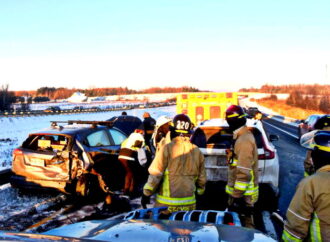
<point x="145" y="200"/>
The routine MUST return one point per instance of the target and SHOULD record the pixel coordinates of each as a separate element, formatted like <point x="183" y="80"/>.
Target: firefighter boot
<point x="248" y="221"/>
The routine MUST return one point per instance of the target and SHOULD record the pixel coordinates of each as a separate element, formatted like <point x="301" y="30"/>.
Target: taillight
<point x="268" y="155"/>
<point x="17" y="152"/>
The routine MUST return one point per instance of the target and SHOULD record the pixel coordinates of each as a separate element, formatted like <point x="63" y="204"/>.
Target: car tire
<point x="87" y="186"/>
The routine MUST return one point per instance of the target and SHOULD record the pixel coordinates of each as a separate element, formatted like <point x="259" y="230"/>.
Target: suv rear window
<point x="44" y="142"/>
<point x="219" y="137"/>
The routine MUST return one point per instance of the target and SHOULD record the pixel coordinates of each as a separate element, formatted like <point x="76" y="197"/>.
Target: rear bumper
<point x="29" y="184"/>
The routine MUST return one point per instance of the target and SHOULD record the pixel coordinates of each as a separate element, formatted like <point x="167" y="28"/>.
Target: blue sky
<point x="208" y="44"/>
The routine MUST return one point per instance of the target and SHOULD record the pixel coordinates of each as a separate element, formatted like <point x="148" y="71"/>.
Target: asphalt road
<point x="291" y="158"/>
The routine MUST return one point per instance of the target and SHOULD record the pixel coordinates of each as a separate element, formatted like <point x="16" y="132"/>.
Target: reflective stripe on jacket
<point x="128" y="149"/>
<point x="308" y="215"/>
<point x="243" y="171"/>
<point x="176" y="173"/>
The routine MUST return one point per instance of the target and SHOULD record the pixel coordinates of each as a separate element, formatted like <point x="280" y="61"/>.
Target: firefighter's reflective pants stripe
<point x="288" y="236"/>
<point x="248" y="187"/>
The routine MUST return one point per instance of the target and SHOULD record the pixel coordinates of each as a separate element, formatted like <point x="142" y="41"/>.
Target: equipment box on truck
<point x="201" y="106"/>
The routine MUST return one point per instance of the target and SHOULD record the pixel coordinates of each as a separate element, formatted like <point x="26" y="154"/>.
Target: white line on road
<point x="286" y="132"/>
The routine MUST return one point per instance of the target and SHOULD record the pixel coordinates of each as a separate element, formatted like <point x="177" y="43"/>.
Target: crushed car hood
<point x="141" y="230"/>
<point x="160" y="230"/>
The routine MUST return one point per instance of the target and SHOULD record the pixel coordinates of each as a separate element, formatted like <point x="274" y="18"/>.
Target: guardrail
<point x="14" y="113"/>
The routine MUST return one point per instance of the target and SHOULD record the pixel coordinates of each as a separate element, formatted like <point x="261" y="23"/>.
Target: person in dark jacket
<point x="148" y="127"/>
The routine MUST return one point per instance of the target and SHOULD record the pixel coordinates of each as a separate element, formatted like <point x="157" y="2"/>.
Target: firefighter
<point x="132" y="156"/>
<point x="308" y="215"/>
<point x="148" y="127"/>
<point x="242" y="185"/>
<point x="179" y="171"/>
<point x="161" y="131"/>
<point x="322" y="123"/>
<point x="160" y="137"/>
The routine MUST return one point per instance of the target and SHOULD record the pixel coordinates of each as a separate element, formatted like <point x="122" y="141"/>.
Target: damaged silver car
<point x="80" y="157"/>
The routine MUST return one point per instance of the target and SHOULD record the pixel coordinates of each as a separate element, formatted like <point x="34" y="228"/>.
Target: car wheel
<point x="87" y="185"/>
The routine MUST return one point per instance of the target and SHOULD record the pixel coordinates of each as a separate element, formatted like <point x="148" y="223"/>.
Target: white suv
<point x="213" y="137"/>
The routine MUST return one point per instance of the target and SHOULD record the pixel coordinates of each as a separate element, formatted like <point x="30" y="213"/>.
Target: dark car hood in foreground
<point x="143" y="230"/>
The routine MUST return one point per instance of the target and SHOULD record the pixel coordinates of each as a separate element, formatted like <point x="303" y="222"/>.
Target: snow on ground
<point x="14" y="130"/>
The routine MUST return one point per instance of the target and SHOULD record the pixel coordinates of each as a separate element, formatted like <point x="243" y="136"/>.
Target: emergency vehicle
<point x="201" y="106"/>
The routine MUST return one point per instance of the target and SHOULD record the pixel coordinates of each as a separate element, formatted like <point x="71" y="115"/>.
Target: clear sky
<point x="208" y="44"/>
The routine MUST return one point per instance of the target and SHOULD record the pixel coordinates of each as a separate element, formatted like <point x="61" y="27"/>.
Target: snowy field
<point x="14" y="130"/>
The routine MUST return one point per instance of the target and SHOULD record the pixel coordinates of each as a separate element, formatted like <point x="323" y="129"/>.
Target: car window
<point x="215" y="137"/>
<point x="117" y="136"/>
<point x="98" y="138"/>
<point x="257" y="136"/>
<point x="221" y="138"/>
<point x="46" y="142"/>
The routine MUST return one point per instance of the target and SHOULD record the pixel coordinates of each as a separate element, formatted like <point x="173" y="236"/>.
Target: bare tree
<point x="6" y="97"/>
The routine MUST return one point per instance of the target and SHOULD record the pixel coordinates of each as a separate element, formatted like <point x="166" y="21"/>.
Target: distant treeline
<point x="311" y="89"/>
<point x="63" y="93"/>
<point x="311" y="97"/>
<point x="45" y="94"/>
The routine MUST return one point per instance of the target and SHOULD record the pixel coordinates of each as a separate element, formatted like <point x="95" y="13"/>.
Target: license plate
<point x="37" y="162"/>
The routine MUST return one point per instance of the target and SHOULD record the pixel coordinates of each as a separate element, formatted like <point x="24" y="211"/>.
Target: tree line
<point x="44" y="94"/>
<point x="312" y="97"/>
<point x="63" y="93"/>
<point x="311" y="89"/>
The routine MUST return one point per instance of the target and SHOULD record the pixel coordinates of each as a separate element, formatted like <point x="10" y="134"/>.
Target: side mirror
<point x="273" y="137"/>
<point x="302" y="121"/>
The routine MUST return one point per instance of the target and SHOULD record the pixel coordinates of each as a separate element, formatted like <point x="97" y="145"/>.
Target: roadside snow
<point x="14" y="130"/>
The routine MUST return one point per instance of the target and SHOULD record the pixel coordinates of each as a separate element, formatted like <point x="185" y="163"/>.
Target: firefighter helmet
<point x="162" y="120"/>
<point x="322" y="122"/>
<point x="182" y="124"/>
<point x="235" y="117"/>
<point x="319" y="142"/>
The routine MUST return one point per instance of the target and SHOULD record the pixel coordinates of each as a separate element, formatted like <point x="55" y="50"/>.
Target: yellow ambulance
<point x="201" y="106"/>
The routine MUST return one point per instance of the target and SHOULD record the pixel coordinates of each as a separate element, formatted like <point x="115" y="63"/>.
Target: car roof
<point x="70" y="129"/>
<point x="220" y="122"/>
<point x="316" y="115"/>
